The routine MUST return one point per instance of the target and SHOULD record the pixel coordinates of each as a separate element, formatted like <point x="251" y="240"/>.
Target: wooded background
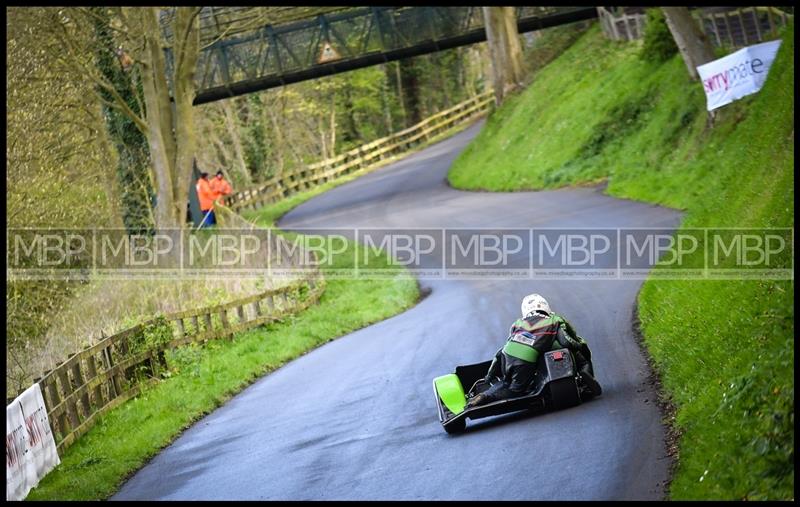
<point x="81" y="146"/>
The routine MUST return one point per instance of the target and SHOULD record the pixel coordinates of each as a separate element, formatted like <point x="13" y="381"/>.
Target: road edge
<point x="665" y="405"/>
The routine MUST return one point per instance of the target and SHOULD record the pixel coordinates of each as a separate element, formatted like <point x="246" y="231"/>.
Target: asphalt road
<point x="356" y="418"/>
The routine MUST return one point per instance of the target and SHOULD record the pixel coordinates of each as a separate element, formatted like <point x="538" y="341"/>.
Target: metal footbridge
<point x="241" y="54"/>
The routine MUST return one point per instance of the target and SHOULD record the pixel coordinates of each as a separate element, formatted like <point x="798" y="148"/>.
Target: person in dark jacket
<point x="515" y="364"/>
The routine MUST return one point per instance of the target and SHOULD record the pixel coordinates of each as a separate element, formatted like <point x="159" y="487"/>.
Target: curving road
<point x="355" y="419"/>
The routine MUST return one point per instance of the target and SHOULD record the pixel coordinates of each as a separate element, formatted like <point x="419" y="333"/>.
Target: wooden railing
<point x="364" y="157"/>
<point x="744" y="26"/>
<point x="732" y="28"/>
<point x="626" y="26"/>
<point x="105" y="374"/>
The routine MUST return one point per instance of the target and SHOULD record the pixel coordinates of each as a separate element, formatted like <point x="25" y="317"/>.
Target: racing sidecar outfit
<point x="529" y="338"/>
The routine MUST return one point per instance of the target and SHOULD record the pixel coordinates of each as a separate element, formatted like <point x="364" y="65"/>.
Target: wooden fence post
<point x="757" y="22"/>
<point x="741" y="24"/>
<point x="116" y="384"/>
<point x="66" y="389"/>
<point x="77" y="383"/>
<point x="207" y="322"/>
<point x="769" y="18"/>
<point x="97" y="391"/>
<point x="716" y="31"/>
<point x="730" y="32"/>
<point x="63" y="426"/>
<point x="223" y="316"/>
<point x="616" y="30"/>
<point x="43" y="383"/>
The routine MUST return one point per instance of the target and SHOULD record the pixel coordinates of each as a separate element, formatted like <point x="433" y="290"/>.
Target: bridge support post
<point x="504" y="47"/>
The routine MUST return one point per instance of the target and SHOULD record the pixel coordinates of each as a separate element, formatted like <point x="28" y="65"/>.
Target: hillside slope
<point x="724" y="348"/>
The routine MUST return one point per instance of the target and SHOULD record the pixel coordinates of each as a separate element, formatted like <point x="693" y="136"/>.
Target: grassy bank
<point x="724" y="349"/>
<point x="205" y="377"/>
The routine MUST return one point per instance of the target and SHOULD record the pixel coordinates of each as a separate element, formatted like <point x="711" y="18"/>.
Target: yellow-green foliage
<point x="56" y="171"/>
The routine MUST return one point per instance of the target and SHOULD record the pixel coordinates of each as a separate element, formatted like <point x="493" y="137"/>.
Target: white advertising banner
<point x="738" y="74"/>
<point x="30" y="447"/>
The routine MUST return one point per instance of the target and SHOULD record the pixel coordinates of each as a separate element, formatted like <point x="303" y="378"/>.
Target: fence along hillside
<point x="104" y="375"/>
<point x="724" y="26"/>
<point x="364" y="157"/>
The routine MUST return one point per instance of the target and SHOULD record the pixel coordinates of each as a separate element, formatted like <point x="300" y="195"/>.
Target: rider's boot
<point x="476" y="400"/>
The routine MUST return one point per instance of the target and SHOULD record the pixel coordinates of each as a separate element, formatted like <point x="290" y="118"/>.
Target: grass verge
<point x="724" y="349"/>
<point x="205" y="377"/>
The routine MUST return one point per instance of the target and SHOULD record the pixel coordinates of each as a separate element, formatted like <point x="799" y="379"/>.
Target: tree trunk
<point x="323" y="139"/>
<point x="505" y="50"/>
<point x="277" y="132"/>
<point x="399" y="82"/>
<point x="442" y="77"/>
<point x="223" y="155"/>
<point x="165" y="205"/>
<point x="133" y="166"/>
<point x="387" y="112"/>
<point x="187" y="51"/>
<point x="694" y="46"/>
<point x="412" y="105"/>
<point x="332" y="147"/>
<point x="232" y="126"/>
<point x="173" y="174"/>
<point x="351" y="132"/>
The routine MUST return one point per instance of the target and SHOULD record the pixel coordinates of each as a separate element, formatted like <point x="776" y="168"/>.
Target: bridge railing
<point x="362" y="158"/>
<point x="244" y="60"/>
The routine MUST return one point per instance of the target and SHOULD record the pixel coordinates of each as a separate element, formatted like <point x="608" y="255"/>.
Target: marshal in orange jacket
<point x="220" y="186"/>
<point x="205" y="194"/>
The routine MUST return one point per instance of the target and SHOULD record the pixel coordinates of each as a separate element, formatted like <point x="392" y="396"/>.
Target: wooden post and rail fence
<point x="732" y="28"/>
<point x="362" y="158"/>
<point x="102" y="376"/>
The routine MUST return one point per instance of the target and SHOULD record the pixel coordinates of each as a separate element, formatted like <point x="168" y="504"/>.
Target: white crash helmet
<point x="532" y="303"/>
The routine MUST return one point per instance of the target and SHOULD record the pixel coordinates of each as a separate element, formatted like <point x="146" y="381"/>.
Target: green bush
<point x="153" y="336"/>
<point x="659" y="45"/>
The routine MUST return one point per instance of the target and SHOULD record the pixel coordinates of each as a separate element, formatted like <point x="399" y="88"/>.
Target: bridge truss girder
<point x="277" y="55"/>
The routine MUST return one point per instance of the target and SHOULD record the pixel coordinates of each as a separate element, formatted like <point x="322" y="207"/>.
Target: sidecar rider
<point x="515" y="364"/>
